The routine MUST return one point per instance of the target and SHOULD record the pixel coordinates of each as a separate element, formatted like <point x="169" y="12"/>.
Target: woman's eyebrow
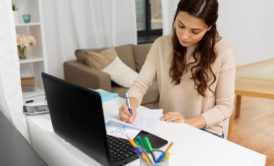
<point x="195" y="29"/>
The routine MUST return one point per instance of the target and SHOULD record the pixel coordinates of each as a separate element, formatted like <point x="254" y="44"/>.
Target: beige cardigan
<point x="184" y="98"/>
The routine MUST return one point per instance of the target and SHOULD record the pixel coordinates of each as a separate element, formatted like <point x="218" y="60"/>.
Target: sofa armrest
<point x="80" y="74"/>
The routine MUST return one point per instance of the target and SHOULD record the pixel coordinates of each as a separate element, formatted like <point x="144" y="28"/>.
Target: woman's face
<point x="189" y="29"/>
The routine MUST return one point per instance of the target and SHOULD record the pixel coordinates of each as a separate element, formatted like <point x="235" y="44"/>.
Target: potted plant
<point x="24" y="41"/>
<point x="15" y="12"/>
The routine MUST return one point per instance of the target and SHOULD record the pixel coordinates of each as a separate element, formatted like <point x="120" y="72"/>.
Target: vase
<point x="22" y="52"/>
<point x="26" y="18"/>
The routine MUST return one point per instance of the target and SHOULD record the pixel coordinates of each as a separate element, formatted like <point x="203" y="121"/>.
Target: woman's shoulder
<point x="225" y="54"/>
<point x="164" y="41"/>
<point x="222" y="47"/>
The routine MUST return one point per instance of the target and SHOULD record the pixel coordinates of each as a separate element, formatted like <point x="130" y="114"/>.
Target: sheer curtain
<point x="168" y="11"/>
<point x="11" y="99"/>
<point x="71" y="24"/>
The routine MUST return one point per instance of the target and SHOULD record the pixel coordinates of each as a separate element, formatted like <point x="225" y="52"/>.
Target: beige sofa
<point x="134" y="56"/>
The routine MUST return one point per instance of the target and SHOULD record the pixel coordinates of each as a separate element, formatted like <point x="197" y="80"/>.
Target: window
<point x="149" y="20"/>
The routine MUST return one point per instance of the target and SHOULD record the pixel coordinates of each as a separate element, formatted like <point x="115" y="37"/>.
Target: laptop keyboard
<point x="120" y="150"/>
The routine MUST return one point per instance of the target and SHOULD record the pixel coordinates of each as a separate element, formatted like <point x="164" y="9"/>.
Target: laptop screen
<point x="77" y="116"/>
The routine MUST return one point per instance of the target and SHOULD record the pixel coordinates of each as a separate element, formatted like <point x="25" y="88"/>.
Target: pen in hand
<point x="128" y="104"/>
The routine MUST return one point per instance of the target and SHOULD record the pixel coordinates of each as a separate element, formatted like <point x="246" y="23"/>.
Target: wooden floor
<point x="254" y="128"/>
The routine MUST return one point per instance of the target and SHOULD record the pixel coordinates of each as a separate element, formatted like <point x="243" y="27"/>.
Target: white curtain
<point x="168" y="11"/>
<point x="72" y="24"/>
<point x="11" y="99"/>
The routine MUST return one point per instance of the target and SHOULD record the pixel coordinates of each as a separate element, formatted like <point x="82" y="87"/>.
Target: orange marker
<point x="167" y="156"/>
<point x="168" y="147"/>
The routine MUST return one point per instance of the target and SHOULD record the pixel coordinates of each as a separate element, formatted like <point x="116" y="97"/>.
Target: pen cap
<point x="147" y="144"/>
<point x="139" y="141"/>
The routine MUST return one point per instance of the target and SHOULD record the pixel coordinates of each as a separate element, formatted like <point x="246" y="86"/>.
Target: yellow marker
<point x="131" y="142"/>
<point x="168" y="147"/>
<point x="139" y="151"/>
<point x="167" y="156"/>
<point x="146" y="159"/>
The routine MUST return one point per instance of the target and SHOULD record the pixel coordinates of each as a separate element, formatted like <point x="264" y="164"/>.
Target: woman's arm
<point x="224" y="93"/>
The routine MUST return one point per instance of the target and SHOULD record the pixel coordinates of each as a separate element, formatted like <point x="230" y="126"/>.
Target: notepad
<point x="106" y="96"/>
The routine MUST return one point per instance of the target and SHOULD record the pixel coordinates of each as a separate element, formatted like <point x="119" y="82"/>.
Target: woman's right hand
<point x="125" y="115"/>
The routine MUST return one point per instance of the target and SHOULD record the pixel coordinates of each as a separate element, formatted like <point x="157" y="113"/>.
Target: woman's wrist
<point x="197" y="121"/>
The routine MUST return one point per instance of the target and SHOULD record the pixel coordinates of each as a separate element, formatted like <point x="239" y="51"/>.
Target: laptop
<point x="77" y="116"/>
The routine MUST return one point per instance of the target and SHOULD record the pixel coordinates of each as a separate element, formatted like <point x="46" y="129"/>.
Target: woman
<point x="195" y="71"/>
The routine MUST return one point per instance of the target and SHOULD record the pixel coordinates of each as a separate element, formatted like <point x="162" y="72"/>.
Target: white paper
<point x="120" y="130"/>
<point x="148" y="119"/>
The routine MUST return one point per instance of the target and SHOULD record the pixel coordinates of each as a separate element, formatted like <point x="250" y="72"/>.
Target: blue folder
<point x="106" y="96"/>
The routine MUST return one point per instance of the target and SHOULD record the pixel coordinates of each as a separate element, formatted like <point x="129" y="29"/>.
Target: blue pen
<point x="128" y="104"/>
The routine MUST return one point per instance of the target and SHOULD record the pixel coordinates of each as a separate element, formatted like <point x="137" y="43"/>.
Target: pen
<point x="138" y="150"/>
<point x="128" y="104"/>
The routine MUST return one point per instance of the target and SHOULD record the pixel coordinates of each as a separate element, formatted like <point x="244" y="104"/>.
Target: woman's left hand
<point x="173" y="117"/>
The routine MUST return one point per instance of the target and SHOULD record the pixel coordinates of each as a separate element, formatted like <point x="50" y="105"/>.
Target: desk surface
<point x="14" y="149"/>
<point x="192" y="147"/>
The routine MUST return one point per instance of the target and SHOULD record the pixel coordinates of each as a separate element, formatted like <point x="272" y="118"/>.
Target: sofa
<point x="77" y="72"/>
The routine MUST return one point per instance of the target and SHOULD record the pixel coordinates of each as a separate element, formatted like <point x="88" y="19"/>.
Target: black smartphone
<point x="156" y="141"/>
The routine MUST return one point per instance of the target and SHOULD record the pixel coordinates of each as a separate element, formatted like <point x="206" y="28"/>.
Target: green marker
<point x="139" y="141"/>
<point x="148" y="147"/>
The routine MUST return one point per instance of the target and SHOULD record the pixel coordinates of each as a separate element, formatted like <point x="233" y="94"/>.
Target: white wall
<point x="248" y="26"/>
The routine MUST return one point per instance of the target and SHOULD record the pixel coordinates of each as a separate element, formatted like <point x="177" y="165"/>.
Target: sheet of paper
<point x="148" y="119"/>
<point x="120" y="130"/>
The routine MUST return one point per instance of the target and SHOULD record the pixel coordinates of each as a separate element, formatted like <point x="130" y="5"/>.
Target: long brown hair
<point x="205" y="53"/>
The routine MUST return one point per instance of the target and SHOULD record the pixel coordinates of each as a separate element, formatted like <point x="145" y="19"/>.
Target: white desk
<point x="192" y="147"/>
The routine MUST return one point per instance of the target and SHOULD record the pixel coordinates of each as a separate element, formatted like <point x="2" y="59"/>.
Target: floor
<point x="254" y="128"/>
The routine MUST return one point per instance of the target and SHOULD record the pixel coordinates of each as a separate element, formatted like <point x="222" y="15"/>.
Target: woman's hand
<point x="173" y="117"/>
<point x="125" y="115"/>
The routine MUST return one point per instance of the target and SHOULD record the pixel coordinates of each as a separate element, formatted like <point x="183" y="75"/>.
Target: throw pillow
<point x="120" y="73"/>
<point x="100" y="60"/>
<point x="108" y="61"/>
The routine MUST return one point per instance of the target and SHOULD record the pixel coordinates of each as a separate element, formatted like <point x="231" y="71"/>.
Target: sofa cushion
<point x="82" y="53"/>
<point x="109" y="62"/>
<point x="125" y="53"/>
<point x="100" y="60"/>
<point x="140" y="54"/>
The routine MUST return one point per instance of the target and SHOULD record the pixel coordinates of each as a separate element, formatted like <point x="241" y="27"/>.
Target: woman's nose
<point x="185" y="35"/>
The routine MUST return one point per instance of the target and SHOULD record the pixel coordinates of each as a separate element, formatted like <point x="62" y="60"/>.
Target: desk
<point x="252" y="87"/>
<point x="14" y="149"/>
<point x="192" y="147"/>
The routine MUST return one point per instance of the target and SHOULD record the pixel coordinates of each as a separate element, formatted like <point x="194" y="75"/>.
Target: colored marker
<point x="168" y="147"/>
<point x="138" y="150"/>
<point x="149" y="147"/>
<point x="160" y="158"/>
<point x="167" y="156"/>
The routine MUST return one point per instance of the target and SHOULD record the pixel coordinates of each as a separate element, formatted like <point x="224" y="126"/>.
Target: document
<point x="121" y="130"/>
<point x="146" y="119"/>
